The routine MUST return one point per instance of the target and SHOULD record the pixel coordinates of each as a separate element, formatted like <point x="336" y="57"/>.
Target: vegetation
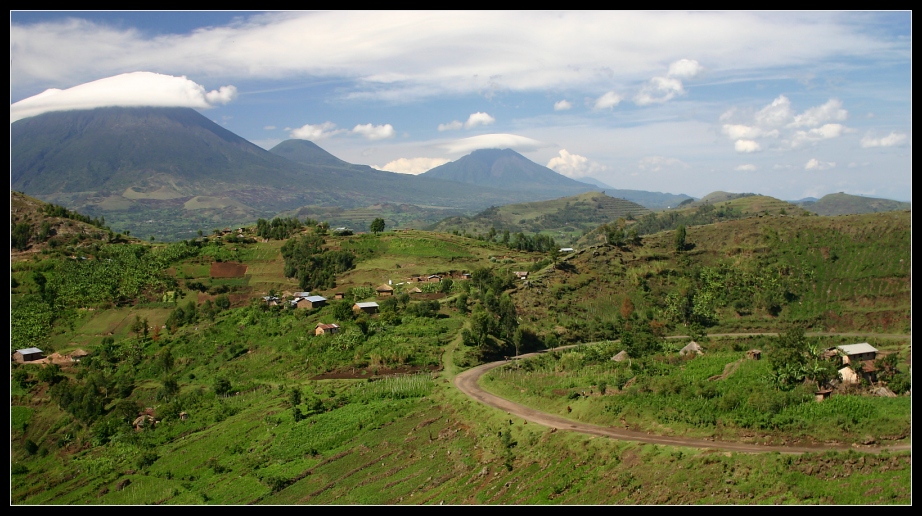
<point x="196" y="391"/>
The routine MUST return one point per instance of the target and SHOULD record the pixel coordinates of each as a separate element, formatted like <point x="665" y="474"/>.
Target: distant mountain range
<point x="168" y="172"/>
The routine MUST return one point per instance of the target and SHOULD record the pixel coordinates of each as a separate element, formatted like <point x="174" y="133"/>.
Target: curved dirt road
<point x="467" y="382"/>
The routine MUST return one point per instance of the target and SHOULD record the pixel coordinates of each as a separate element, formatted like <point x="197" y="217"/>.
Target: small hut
<point x="621" y="356"/>
<point x="385" y="291"/>
<point x="323" y="329"/>
<point x="754" y="354"/>
<point x="692" y="348"/>
<point x="368" y="308"/>
<point x="28" y="355"/>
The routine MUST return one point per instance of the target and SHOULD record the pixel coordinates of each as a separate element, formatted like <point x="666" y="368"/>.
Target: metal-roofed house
<point x="28" y="355"/>
<point x="323" y="329"/>
<point x="369" y="307"/>
<point x="862" y="351"/>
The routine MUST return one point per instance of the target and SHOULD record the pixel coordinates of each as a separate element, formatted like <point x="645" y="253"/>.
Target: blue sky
<point x="785" y="104"/>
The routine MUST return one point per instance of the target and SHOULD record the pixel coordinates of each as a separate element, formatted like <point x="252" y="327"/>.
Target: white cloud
<point x="269" y="128"/>
<point x="815" y="164"/>
<point x="776" y="114"/>
<point x="658" y="91"/>
<point x="562" y="105"/>
<point x="746" y="168"/>
<point x="737" y="131"/>
<point x="493" y="141"/>
<point x="830" y="111"/>
<point x="464" y="51"/>
<point x="478" y="118"/>
<point x="747" y="146"/>
<point x="825" y="132"/>
<point x="574" y="165"/>
<point x="609" y="100"/>
<point x="315" y="132"/>
<point x="125" y="90"/>
<point x="657" y="163"/>
<point x="413" y="166"/>
<point x="685" y="68"/>
<point x="891" y="140"/>
<point x="454" y="125"/>
<point x="375" y="132"/>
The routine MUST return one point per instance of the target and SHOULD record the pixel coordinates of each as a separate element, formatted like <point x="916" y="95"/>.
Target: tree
<point x="680" y="238"/>
<point x="377" y="226"/>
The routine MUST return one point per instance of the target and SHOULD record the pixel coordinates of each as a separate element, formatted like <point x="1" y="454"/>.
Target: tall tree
<point x="377" y="226"/>
<point x="680" y="238"/>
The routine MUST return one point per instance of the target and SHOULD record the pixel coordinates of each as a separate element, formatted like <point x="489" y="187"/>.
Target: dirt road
<point x="467" y="382"/>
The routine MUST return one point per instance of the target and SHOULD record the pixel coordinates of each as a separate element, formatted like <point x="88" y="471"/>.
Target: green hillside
<point x="844" y="204"/>
<point x="564" y="219"/>
<point x="196" y="390"/>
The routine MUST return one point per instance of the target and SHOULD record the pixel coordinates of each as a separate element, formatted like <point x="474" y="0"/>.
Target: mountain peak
<point x="508" y="170"/>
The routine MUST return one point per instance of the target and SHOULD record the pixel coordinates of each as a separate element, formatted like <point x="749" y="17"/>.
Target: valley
<point x="173" y="377"/>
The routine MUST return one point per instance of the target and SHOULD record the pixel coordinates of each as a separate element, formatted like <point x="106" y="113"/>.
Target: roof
<point x="384" y="288"/>
<point x="28" y="351"/>
<point x="367" y="305"/>
<point x="327" y="326"/>
<point x="314" y="299"/>
<point x="566" y="249"/>
<point x="301" y="294"/>
<point x="857" y="349"/>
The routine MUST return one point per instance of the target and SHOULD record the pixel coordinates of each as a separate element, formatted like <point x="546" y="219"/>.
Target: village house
<point x="863" y="351"/>
<point x="435" y="278"/>
<point x="28" y="355"/>
<point x="385" y="290"/>
<point x="315" y="301"/>
<point x="369" y="307"/>
<point x="271" y="300"/>
<point x="323" y="329"/>
<point x="522" y="275"/>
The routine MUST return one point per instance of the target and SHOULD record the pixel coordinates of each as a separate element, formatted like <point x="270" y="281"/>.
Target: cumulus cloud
<point x="475" y="119"/>
<point x="658" y="91"/>
<point x="815" y="164"/>
<point x="685" y="68"/>
<point x="746" y="168"/>
<point x="413" y="166"/>
<point x="739" y="131"/>
<point x="825" y="132"/>
<point x="375" y="132"/>
<point x="831" y="111"/>
<point x="562" y="105"/>
<point x="778" y="120"/>
<point x="574" y="165"/>
<point x="609" y="100"/>
<point x="454" y="125"/>
<point x="125" y="90"/>
<point x="657" y="163"/>
<point x="493" y="141"/>
<point x="747" y="146"/>
<point x="776" y="114"/>
<point x="315" y="132"/>
<point x="478" y="118"/>
<point x="891" y="140"/>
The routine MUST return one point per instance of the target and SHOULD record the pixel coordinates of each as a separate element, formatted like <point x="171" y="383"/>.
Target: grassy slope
<point x="564" y="219"/>
<point x="439" y="447"/>
<point x="860" y="268"/>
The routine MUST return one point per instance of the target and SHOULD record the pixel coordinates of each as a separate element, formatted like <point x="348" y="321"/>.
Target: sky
<point x="787" y="104"/>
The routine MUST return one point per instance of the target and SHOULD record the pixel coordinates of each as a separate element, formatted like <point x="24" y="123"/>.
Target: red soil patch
<point x="376" y="372"/>
<point x="228" y="270"/>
